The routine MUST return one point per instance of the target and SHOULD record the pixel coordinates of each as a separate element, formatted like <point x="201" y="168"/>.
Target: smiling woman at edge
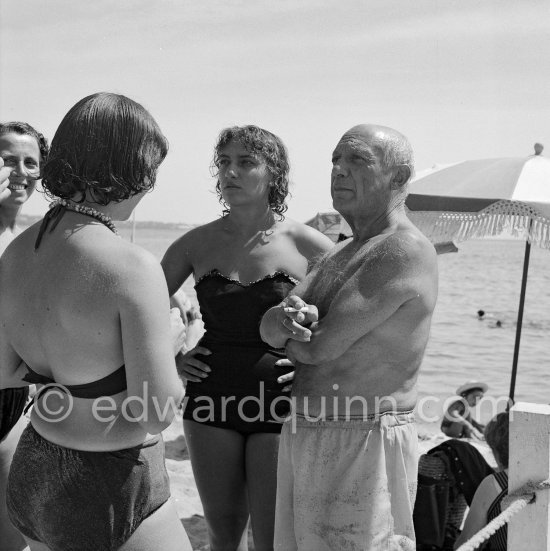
<point x="84" y="309"/>
<point x="243" y="263"/>
<point x="22" y="150"/>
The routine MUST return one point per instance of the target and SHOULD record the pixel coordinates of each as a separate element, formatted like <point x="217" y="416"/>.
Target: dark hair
<point x="24" y="129"/>
<point x="107" y="148"/>
<point x="496" y="435"/>
<point x="270" y="148"/>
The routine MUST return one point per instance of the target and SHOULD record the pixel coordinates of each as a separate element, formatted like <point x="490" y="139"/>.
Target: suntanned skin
<point x="236" y="474"/>
<point x="18" y="174"/>
<point x="247" y="244"/>
<point x="462" y="426"/>
<point x="22" y="154"/>
<point x="81" y="305"/>
<point x="370" y="299"/>
<point x="94" y="302"/>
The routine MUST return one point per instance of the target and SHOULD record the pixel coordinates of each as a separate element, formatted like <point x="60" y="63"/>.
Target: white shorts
<point x="347" y="485"/>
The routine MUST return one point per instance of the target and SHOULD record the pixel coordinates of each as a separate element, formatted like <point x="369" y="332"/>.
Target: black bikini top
<point x="112" y="384"/>
<point x="232" y="310"/>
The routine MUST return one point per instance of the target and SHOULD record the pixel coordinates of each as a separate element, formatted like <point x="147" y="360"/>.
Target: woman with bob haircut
<point x="85" y="315"/>
<point x="22" y="152"/>
<point x="243" y="263"/>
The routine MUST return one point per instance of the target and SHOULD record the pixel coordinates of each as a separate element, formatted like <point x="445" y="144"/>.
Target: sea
<point x="482" y="275"/>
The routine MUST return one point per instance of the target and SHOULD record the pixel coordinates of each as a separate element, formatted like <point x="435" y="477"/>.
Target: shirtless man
<point x="356" y="328"/>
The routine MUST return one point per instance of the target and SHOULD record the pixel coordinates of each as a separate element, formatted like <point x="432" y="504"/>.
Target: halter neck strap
<point x="55" y="214"/>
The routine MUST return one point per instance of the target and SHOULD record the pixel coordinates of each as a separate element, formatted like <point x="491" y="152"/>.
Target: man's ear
<point x="401" y="176"/>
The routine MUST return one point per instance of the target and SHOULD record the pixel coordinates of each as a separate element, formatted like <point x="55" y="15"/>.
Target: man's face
<point x="359" y="182"/>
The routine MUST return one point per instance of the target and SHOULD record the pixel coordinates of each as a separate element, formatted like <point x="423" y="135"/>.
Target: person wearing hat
<point x="458" y="421"/>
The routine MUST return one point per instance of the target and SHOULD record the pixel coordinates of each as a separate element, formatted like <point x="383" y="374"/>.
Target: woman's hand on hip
<point x="190" y="368"/>
<point x="287" y="378"/>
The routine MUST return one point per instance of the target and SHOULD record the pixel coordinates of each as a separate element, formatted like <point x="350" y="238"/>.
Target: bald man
<point x="356" y="329"/>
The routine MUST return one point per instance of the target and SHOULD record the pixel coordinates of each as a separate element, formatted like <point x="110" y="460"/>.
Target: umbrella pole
<point x="520" y="314"/>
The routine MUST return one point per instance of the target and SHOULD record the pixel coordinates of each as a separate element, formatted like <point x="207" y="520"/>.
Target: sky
<point x="463" y="79"/>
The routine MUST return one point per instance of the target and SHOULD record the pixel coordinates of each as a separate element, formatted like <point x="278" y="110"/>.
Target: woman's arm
<point x="311" y="244"/>
<point x="477" y="515"/>
<point x="12" y="377"/>
<point x="177" y="262"/>
<point x="459" y="414"/>
<point x="146" y="340"/>
<point x="12" y="367"/>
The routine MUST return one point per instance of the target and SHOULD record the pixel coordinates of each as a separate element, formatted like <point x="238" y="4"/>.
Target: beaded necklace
<point x="87" y="211"/>
<point x="58" y="209"/>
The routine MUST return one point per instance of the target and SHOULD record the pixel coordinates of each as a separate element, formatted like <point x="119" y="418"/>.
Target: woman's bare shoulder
<point x="488" y="490"/>
<point x="199" y="235"/>
<point x="128" y="271"/>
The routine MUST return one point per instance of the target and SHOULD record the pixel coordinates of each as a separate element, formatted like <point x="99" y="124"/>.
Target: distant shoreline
<point x="26" y="220"/>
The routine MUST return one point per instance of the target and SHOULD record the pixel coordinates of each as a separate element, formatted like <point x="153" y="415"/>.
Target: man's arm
<point x="284" y="321"/>
<point x="275" y="330"/>
<point x="392" y="275"/>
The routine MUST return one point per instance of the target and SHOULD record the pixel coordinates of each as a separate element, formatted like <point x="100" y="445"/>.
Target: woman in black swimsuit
<point x="85" y="316"/>
<point x="243" y="263"/>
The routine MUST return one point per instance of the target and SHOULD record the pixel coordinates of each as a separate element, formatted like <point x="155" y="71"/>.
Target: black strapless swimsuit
<point x="241" y="391"/>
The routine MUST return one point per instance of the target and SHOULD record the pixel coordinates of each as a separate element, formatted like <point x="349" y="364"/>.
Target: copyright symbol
<point x="64" y="399"/>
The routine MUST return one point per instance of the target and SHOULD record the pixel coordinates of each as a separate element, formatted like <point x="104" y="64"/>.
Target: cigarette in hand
<point x="304" y="309"/>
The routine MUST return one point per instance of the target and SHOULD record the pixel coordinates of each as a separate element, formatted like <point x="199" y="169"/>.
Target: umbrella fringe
<point x="519" y="219"/>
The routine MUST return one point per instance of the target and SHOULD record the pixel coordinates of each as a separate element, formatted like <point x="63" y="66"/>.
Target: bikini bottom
<point x="73" y="500"/>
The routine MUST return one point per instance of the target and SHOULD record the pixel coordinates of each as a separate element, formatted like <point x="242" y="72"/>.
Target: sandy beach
<point x="184" y="490"/>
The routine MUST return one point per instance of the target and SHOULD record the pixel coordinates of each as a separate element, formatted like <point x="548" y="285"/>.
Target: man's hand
<point x="298" y="317"/>
<point x="5" y="172"/>
<point x="300" y="312"/>
<point x="178" y="330"/>
<point x="288" y="321"/>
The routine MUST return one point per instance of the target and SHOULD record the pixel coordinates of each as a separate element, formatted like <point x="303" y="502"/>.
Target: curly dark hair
<point x="496" y="435"/>
<point x="271" y="149"/>
<point x="25" y="129"/>
<point x="106" y="149"/>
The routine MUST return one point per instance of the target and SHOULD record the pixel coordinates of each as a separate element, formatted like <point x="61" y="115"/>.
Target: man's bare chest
<point x="333" y="273"/>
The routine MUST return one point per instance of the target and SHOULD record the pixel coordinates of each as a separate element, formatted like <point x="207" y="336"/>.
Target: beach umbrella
<point x="331" y="224"/>
<point x="481" y="198"/>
